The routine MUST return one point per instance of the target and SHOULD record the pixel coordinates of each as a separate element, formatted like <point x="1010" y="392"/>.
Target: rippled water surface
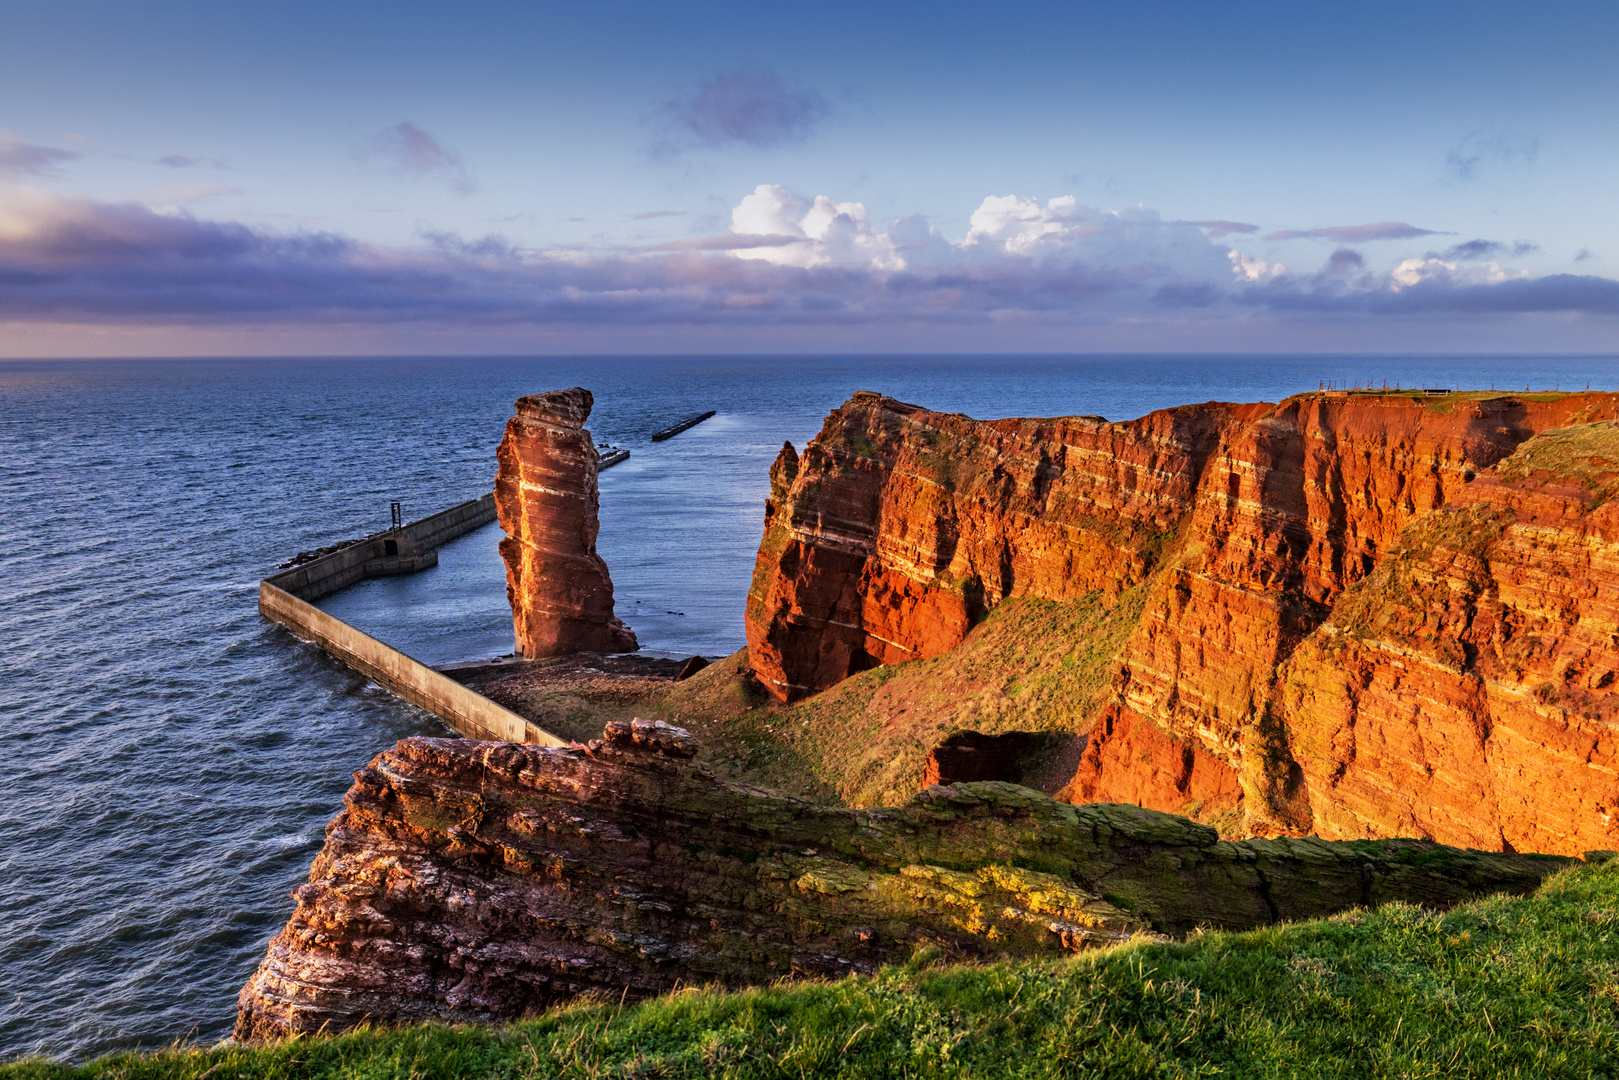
<point x="168" y="758"/>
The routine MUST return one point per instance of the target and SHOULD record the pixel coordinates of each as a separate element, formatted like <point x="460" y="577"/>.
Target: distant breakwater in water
<point x="170" y="758"/>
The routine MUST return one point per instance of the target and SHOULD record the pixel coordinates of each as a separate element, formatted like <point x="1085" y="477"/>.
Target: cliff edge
<point x="476" y="881"/>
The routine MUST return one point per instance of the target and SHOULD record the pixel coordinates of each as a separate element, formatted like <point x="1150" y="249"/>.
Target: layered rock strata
<point x="1236" y="528"/>
<point x="1465" y="690"/>
<point x="546" y="496"/>
<point x="473" y="881"/>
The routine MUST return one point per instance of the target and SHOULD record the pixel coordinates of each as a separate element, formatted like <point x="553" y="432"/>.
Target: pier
<point x="675" y="429"/>
<point x="286" y="598"/>
<point x="403" y="549"/>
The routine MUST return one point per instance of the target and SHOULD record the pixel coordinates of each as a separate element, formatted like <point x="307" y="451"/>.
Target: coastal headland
<point x="478" y="881"/>
<point x="1256" y="645"/>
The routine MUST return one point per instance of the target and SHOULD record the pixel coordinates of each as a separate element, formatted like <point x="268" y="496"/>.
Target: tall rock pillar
<point x="559" y="588"/>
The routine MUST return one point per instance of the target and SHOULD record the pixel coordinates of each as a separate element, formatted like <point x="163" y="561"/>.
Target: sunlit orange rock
<point x="559" y="588"/>
<point x="1236" y="529"/>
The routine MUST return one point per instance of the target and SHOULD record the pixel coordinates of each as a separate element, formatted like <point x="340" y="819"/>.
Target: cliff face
<point x="899" y="528"/>
<point x="1236" y="528"/>
<point x="472" y="881"/>
<point x="559" y="588"/>
<point x="1465" y="689"/>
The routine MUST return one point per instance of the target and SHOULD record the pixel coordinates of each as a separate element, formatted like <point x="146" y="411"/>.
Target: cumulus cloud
<point x="819" y="232"/>
<point x="18" y="160"/>
<point x="1355" y="234"/>
<point x="407" y="150"/>
<point x="1248" y="268"/>
<point x="751" y="108"/>
<point x="1416" y="271"/>
<point x="789" y="260"/>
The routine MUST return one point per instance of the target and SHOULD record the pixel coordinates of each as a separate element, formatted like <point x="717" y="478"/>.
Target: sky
<point x="205" y="178"/>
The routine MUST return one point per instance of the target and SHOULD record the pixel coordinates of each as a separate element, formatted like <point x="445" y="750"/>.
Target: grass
<point x="1032" y="665"/>
<point x="1586" y="455"/>
<point x="1504" y="987"/>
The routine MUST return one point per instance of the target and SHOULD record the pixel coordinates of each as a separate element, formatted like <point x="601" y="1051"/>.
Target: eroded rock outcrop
<point x="473" y="881"/>
<point x="1234" y="528"/>
<point x="559" y="588"/>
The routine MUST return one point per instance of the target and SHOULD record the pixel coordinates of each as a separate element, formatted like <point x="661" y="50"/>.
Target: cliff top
<point x="565" y="408"/>
<point x="1391" y="992"/>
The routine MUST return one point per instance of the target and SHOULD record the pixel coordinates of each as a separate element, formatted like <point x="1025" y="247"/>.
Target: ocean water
<point x="168" y="758"/>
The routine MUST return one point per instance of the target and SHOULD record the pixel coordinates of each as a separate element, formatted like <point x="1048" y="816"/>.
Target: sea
<point x="169" y="758"/>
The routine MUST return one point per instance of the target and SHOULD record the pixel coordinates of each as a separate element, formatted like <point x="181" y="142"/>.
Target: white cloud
<point x="819" y="232"/>
<point x="1417" y="271"/>
<point x="771" y="210"/>
<point x="1016" y="224"/>
<point x="1249" y="268"/>
<point x="1132" y="244"/>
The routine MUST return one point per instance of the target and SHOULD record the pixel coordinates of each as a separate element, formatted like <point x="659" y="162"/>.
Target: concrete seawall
<point x="469" y="713"/>
<point x="402" y="551"/>
<point x="285" y="598"/>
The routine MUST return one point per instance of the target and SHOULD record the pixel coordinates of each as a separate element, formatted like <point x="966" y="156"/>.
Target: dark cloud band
<point x="79" y="260"/>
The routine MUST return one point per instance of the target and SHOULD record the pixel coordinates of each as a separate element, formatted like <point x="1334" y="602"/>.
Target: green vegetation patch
<point x="1519" y="987"/>
<point x="1032" y="665"/>
<point x="1422" y="590"/>
<point x="1586" y="455"/>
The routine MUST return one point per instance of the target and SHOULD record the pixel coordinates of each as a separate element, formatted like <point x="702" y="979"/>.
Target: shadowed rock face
<point x="1236" y="529"/>
<point x="473" y="881"/>
<point x="559" y="588"/>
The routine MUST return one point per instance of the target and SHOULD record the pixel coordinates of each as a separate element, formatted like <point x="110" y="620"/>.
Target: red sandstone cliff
<point x="1235" y="528"/>
<point x="559" y="588"/>
<point x="473" y="881"/>
<point x="1465" y="689"/>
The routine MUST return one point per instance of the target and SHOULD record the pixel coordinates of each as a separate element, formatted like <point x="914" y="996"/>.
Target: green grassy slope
<point x="1032" y="665"/>
<point x="1522" y="987"/>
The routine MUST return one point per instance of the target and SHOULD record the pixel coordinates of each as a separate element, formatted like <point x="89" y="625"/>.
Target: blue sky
<point x="299" y="177"/>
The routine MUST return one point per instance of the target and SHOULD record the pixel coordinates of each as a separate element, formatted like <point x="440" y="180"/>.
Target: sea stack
<point x="559" y="588"/>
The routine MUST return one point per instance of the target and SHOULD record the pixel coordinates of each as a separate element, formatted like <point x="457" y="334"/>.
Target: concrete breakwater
<point x="675" y="429"/>
<point x="284" y="598"/>
<point x="469" y="713"/>
<point x="404" y="550"/>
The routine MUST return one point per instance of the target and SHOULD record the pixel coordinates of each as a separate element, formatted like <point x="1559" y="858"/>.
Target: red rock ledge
<point x="477" y="881"/>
